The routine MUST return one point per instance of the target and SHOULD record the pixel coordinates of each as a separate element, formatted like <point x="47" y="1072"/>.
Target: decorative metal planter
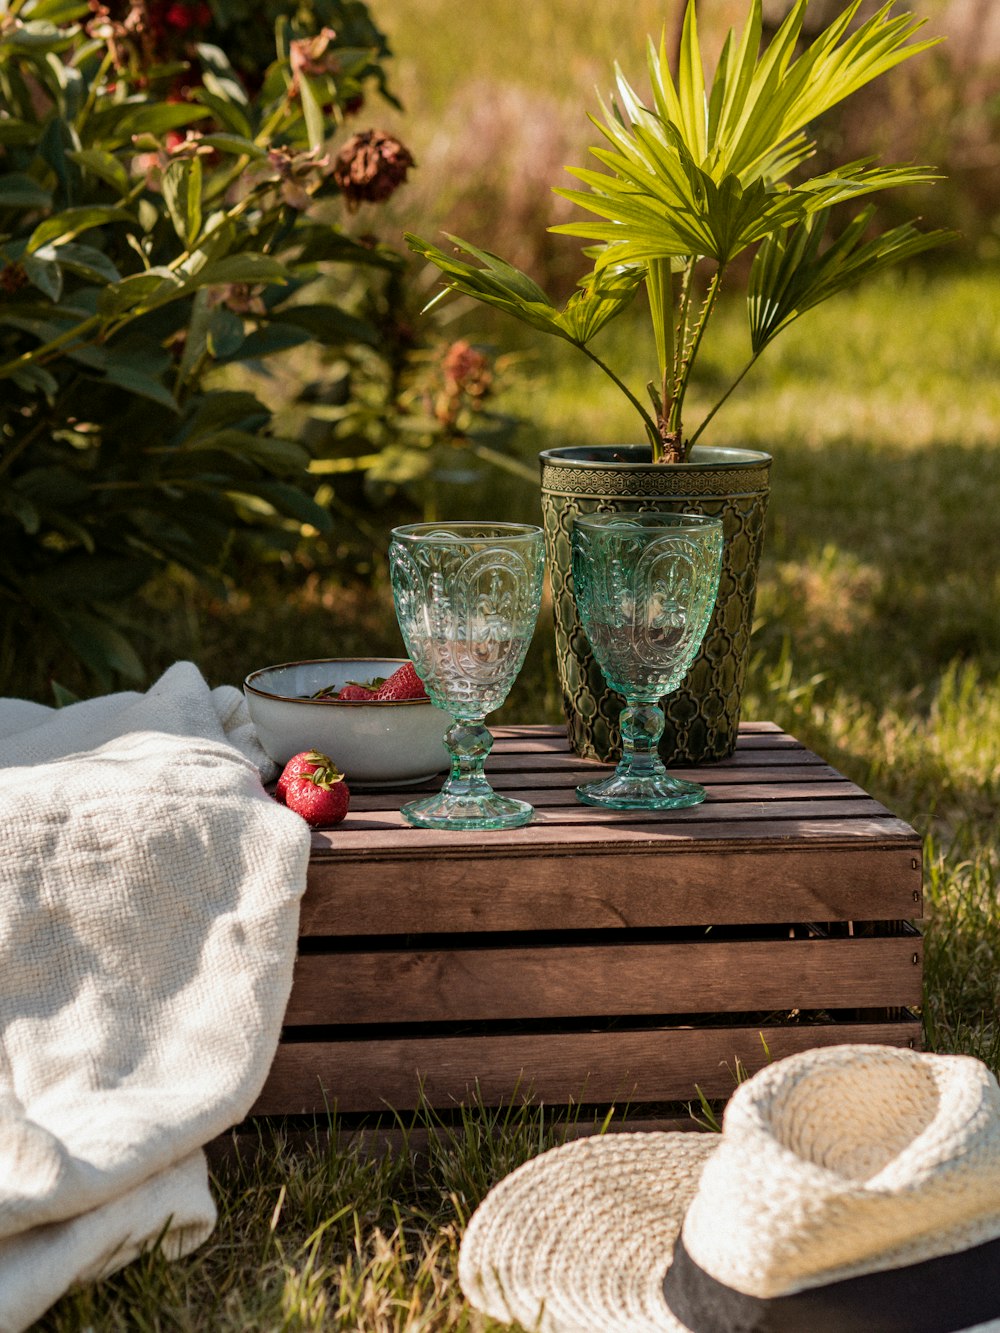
<point x="702" y="717"/>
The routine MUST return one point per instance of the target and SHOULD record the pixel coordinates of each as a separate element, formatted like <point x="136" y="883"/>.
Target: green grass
<point x="877" y="643"/>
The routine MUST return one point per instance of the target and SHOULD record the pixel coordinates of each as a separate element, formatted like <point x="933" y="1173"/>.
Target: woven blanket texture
<point x="149" y="896"/>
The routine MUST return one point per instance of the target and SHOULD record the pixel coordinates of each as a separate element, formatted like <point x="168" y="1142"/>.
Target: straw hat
<point x="854" y="1189"/>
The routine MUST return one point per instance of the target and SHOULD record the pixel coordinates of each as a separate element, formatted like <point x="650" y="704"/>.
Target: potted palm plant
<point x="705" y="172"/>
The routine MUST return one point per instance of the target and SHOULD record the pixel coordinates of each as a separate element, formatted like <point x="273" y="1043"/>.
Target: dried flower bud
<point x="243" y="298"/>
<point x="299" y="174"/>
<point x="312" y="56"/>
<point x="370" y="167"/>
<point x="12" y="278"/>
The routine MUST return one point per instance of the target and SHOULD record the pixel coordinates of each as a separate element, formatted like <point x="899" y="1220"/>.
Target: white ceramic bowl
<point x="390" y="744"/>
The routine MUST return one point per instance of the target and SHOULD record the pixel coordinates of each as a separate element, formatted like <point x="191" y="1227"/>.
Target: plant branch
<point x="735" y="384"/>
<point x="683" y="317"/>
<point x="45" y="349"/>
<point x="691" y="352"/>
<point x="650" y="424"/>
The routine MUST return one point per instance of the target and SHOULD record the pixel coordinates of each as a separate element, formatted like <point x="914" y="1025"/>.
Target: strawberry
<point x="358" y="693"/>
<point x="315" y="790"/>
<point x="299" y="765"/>
<point x="404" y="683"/>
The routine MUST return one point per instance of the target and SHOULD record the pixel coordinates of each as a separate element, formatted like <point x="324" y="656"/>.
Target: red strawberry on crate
<point x="404" y="683"/>
<point x="298" y="766"/>
<point x="315" y="790"/>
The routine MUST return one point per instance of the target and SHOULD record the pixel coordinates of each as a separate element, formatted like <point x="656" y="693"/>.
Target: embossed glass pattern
<point x="467" y="598"/>
<point x="645" y="587"/>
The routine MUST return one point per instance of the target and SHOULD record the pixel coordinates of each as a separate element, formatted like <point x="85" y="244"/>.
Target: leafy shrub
<point x="162" y="220"/>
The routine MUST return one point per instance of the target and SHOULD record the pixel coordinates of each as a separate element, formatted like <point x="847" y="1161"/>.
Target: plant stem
<point x="683" y="317"/>
<point x="650" y="424"/>
<point x="735" y="384"/>
<point x="29" y="358"/>
<point x="691" y="351"/>
<point x="660" y="293"/>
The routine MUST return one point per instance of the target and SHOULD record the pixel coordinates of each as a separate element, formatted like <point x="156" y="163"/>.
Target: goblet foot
<point x="454" y="811"/>
<point x="625" y="790"/>
<point x="467" y="801"/>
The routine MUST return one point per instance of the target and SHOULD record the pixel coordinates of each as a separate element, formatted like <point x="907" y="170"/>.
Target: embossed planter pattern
<point x="702" y="717"/>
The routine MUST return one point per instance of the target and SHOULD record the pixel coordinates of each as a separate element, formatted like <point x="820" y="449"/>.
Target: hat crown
<point x="848" y="1160"/>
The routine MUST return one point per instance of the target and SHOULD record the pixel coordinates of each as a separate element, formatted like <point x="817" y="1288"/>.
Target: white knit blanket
<point x="149" y="893"/>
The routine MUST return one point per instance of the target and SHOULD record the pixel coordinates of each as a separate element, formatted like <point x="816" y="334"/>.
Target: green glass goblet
<point x="467" y="598"/>
<point x="645" y="586"/>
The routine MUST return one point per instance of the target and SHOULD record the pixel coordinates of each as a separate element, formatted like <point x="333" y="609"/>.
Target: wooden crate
<point x="597" y="957"/>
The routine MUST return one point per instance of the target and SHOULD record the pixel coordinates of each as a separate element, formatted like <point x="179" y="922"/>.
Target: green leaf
<point x="21" y="508"/>
<point x="105" y="166"/>
<point x="55" y="11"/>
<point x="101" y="646"/>
<point x="36" y="378"/>
<point x="224" y="334"/>
<point x="237" y="144"/>
<point x="329" y="244"/>
<point x="14" y="131"/>
<point x="18" y="190"/>
<point x="116" y="123"/>
<point x="181" y="183"/>
<point x="218" y="73"/>
<point x="36" y="36"/>
<point x="790" y="274"/>
<point x="152" y="288"/>
<point x="294" y="503"/>
<point x="211" y="411"/>
<point x="54" y="487"/>
<point x="327" y="324"/>
<point x="45" y="274"/>
<point x="245" y="267"/>
<point x="90" y="578"/>
<point x="268" y="341"/>
<point x="84" y="260"/>
<point x="229" y="114"/>
<point x="506" y="288"/>
<point x="62" y="696"/>
<point x="311" y="93"/>
<point x="139" y="382"/>
<point x="275" y="455"/>
<point x="72" y="221"/>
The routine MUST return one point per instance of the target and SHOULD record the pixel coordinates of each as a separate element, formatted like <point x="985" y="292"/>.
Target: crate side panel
<point x="557" y="1068"/>
<point x="470" y="985"/>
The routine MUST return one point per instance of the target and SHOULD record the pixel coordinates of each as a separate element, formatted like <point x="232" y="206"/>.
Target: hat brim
<point x="580" y="1238"/>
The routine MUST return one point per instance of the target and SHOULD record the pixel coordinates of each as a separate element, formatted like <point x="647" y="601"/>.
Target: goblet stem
<point x="641" y="727"/>
<point x="640" y="782"/>
<point x="468" y="743"/>
<point x="466" y="800"/>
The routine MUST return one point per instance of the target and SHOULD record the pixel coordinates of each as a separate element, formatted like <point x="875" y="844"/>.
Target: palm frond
<point x="790" y="274"/>
<point x="602" y="295"/>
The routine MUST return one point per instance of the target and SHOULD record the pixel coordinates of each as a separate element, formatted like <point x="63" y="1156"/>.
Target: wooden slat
<point x="504" y="761"/>
<point x="467" y="985"/>
<point x="717" y="779"/>
<point x="570" y="811"/>
<point x="532" y="731"/>
<point x="588" y="891"/>
<point x="607" y="833"/>
<point x="557" y="1068"/>
<point x="799" y="790"/>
